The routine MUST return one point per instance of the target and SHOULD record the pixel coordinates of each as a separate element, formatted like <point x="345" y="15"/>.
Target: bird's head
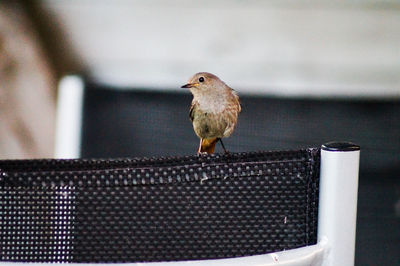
<point x="204" y="82"/>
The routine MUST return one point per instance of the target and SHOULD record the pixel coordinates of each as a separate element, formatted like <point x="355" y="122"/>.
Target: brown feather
<point x="192" y="110"/>
<point x="208" y="145"/>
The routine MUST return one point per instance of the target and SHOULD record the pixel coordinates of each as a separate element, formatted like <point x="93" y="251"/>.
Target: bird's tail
<point x="208" y="145"/>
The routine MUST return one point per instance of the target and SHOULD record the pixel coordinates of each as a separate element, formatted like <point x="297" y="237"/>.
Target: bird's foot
<point x="202" y="153"/>
<point x="223" y="146"/>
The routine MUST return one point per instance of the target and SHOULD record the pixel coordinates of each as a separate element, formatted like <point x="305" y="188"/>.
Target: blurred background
<point x="308" y="72"/>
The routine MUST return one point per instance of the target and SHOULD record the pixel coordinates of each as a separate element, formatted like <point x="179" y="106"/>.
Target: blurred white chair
<point x="69" y="117"/>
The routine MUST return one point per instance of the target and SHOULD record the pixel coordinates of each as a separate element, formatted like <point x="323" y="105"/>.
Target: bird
<point x="214" y="110"/>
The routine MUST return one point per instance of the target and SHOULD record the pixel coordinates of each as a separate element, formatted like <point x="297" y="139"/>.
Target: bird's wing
<point x="193" y="108"/>
<point x="237" y="100"/>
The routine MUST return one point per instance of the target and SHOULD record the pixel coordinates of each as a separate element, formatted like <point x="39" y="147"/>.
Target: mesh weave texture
<point x="158" y="209"/>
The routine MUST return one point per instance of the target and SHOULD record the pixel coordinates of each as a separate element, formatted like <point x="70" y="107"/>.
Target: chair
<point x="184" y="208"/>
<point x="259" y="208"/>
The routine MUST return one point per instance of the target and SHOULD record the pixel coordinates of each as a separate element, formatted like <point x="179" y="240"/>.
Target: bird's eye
<point x="201" y="79"/>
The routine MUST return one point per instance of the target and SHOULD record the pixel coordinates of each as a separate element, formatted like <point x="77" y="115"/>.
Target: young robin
<point x="214" y="110"/>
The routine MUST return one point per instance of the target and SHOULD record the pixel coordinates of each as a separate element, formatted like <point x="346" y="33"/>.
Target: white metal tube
<point x="305" y="256"/>
<point x="69" y="117"/>
<point x="338" y="201"/>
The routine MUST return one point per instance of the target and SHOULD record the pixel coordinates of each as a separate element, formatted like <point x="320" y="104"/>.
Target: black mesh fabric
<point x="158" y="209"/>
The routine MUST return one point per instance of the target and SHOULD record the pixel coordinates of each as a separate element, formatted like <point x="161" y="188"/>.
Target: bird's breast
<point x="208" y="125"/>
<point x="215" y="115"/>
<point x="212" y="103"/>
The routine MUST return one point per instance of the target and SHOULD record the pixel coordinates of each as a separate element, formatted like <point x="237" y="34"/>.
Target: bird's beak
<point x="190" y="85"/>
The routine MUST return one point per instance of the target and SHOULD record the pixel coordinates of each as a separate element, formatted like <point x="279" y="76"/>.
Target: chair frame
<point x="337" y="194"/>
